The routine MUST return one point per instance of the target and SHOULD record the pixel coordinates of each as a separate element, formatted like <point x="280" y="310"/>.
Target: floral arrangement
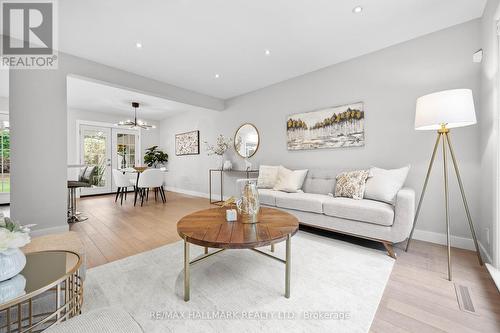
<point x="220" y="147"/>
<point x="12" y="234"/>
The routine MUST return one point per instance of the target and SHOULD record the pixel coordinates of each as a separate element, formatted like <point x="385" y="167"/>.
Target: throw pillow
<point x="290" y="180"/>
<point x="268" y="174"/>
<point x="351" y="184"/>
<point x="384" y="185"/>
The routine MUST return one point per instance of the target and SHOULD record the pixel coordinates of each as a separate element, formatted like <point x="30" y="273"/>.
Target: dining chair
<point x="151" y="178"/>
<point x="122" y="182"/>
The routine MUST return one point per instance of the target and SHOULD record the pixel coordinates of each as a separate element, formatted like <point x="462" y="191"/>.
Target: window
<point x="125" y="149"/>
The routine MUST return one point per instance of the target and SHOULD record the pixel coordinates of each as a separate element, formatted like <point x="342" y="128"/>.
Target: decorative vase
<point x="248" y="165"/>
<point x="12" y="262"/>
<point x="221" y="162"/>
<point x="227" y="165"/>
<point x="12" y="288"/>
<point x="248" y="205"/>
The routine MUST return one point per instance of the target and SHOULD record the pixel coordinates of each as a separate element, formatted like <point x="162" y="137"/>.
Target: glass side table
<point x="48" y="290"/>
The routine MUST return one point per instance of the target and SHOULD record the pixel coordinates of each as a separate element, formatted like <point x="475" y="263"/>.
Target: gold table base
<point x="68" y="300"/>
<point x="188" y="262"/>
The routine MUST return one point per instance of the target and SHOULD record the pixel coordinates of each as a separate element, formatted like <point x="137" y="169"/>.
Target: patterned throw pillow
<point x="351" y="184"/>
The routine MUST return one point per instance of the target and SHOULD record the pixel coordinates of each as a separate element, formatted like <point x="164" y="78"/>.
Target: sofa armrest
<point x="404" y="213"/>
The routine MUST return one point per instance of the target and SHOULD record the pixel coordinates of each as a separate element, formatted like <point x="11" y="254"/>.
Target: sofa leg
<point x="390" y="250"/>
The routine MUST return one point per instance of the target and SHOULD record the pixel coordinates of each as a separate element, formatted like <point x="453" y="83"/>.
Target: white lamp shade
<point x="452" y="108"/>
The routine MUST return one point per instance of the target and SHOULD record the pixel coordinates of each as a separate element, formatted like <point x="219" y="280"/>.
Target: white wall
<point x="39" y="136"/>
<point x="388" y="82"/>
<point x="148" y="137"/>
<point x="489" y="132"/>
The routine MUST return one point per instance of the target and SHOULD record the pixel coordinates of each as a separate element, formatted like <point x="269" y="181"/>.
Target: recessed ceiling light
<point x="217" y="76"/>
<point x="138" y="45"/>
<point x="357" y="9"/>
<point x="267" y="52"/>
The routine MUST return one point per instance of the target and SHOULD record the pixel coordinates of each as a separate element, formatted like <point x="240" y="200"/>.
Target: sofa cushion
<point x="268" y="175"/>
<point x="267" y="197"/>
<point x="383" y="185"/>
<point x="322" y="184"/>
<point x="351" y="184"/>
<point x="290" y="180"/>
<point x="361" y="210"/>
<point x="308" y="202"/>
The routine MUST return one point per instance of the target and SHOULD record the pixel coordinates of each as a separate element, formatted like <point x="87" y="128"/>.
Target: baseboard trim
<point x="486" y="256"/>
<point x="194" y="193"/>
<point x="48" y="231"/>
<point x="439" y="238"/>
<point x="188" y="192"/>
<point x="456" y="241"/>
<point x="495" y="275"/>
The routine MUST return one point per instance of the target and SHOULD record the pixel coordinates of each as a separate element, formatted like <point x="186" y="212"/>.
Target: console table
<point x="247" y="173"/>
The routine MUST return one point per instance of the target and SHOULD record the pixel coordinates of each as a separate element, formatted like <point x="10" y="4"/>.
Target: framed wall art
<point x="187" y="143"/>
<point x="334" y="127"/>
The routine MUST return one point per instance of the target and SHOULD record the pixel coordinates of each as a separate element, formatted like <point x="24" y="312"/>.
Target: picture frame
<point x="327" y="128"/>
<point x="187" y="143"/>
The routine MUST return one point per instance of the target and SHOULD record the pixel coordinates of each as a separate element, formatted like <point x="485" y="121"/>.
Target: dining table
<point x="138" y="170"/>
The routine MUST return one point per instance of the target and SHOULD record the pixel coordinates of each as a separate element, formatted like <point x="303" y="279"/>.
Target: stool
<point x="73" y="215"/>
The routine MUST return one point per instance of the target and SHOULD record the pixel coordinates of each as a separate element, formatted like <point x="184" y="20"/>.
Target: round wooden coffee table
<point x="209" y="228"/>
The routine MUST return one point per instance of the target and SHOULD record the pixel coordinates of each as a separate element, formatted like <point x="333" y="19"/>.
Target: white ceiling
<point x="87" y="95"/>
<point x="186" y="42"/>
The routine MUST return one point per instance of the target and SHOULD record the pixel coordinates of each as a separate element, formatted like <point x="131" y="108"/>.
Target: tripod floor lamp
<point x="440" y="112"/>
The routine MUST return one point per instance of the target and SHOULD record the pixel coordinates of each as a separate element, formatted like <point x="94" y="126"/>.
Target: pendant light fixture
<point x="135" y="124"/>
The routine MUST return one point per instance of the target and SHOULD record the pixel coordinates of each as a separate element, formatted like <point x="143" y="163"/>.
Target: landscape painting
<point x="187" y="143"/>
<point x="334" y="127"/>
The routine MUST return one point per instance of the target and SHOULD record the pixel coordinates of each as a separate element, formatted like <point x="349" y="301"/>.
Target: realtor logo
<point x="28" y="31"/>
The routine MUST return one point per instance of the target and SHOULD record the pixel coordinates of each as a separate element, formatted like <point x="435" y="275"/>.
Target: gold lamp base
<point x="444" y="135"/>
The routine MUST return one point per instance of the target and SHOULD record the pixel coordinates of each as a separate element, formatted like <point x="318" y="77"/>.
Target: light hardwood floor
<point x="417" y="298"/>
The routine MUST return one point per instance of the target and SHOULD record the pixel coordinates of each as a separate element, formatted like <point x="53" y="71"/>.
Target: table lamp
<point x="440" y="112"/>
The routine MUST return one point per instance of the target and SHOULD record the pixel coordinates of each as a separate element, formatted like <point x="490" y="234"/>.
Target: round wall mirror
<point x="246" y="140"/>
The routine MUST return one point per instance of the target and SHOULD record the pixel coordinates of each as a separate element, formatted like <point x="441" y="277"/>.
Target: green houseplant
<point x="155" y="157"/>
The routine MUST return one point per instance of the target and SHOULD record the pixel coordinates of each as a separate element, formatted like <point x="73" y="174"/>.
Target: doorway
<point x="107" y="148"/>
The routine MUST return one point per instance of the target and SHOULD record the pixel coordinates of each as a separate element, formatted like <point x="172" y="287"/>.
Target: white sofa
<point x="375" y="220"/>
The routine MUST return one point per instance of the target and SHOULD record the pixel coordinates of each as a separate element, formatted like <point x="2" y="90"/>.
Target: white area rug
<point x="335" y="287"/>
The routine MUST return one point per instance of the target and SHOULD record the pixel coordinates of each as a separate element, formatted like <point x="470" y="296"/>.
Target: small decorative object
<point x="12" y="288"/>
<point x="229" y="202"/>
<point x="219" y="148"/>
<point x="246" y="140"/>
<point x="335" y="127"/>
<point x="187" y="143"/>
<point x="153" y="157"/>
<point x="248" y="205"/>
<point x="227" y="165"/>
<point x="248" y="164"/>
<point x="122" y="152"/>
<point x="231" y="215"/>
<point x="12" y="237"/>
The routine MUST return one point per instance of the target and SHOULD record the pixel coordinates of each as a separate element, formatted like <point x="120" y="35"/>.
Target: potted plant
<point x="153" y="157"/>
<point x="12" y="237"/>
